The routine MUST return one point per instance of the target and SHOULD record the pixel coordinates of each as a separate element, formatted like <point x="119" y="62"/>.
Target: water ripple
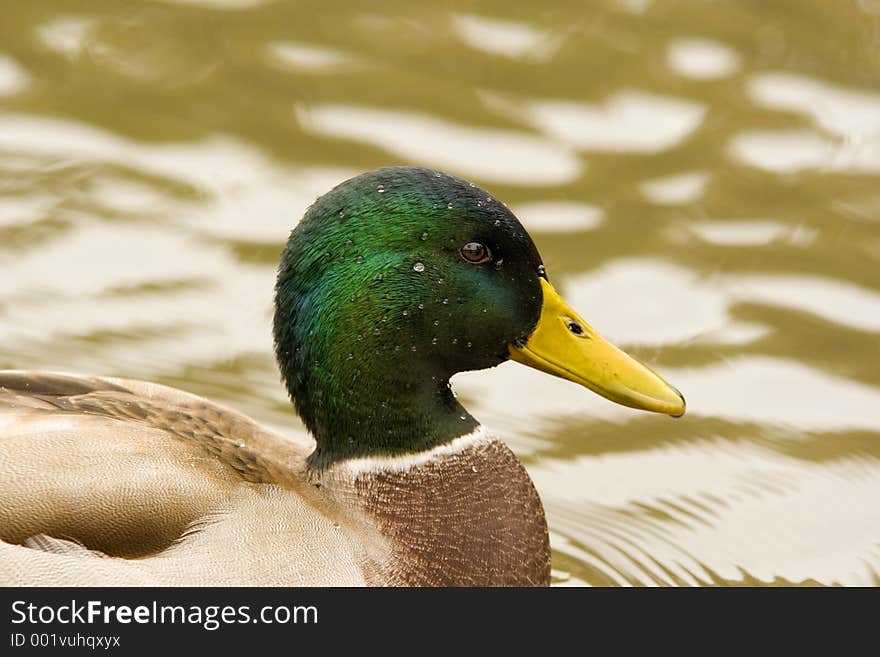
<point x="501" y="156"/>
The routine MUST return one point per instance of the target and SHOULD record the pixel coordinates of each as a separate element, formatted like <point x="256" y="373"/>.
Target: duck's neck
<point x="385" y="417"/>
<point x="362" y="400"/>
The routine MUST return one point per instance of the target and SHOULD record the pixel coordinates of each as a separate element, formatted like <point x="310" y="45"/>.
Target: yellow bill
<point x="564" y="344"/>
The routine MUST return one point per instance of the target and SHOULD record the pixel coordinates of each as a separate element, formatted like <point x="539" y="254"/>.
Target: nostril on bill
<point x="575" y="328"/>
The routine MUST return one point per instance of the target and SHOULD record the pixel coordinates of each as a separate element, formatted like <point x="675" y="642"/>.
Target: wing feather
<point x="124" y="467"/>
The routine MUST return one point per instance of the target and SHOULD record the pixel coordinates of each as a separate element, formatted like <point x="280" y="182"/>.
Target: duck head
<point x="401" y="277"/>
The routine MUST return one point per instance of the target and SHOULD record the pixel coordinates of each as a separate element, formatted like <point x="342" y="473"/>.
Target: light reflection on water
<point x="627" y="122"/>
<point x="707" y="197"/>
<point x="750" y="232"/>
<point x="500" y="156"/>
<point x="702" y="59"/>
<point x="12" y="78"/>
<point x="852" y="117"/>
<point x="503" y="37"/>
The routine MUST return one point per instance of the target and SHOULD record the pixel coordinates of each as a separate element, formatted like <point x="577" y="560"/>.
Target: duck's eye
<point x="475" y="253"/>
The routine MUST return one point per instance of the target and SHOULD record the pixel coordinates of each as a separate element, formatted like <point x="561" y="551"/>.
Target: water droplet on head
<point x="359" y="259"/>
<point x="239" y="444"/>
<point x="454" y="340"/>
<point x="463" y="417"/>
<point x="421" y="306"/>
<point x="376" y="331"/>
<point x="440" y="281"/>
<point x="380" y="189"/>
<point x="360" y="337"/>
<point x="437" y="174"/>
<point x="423" y="236"/>
<point x="499" y="263"/>
<point x="540" y="270"/>
<point x="449" y="206"/>
<point x="413" y="347"/>
<point x="405" y="313"/>
<point x="434" y="340"/>
<point x="445" y="301"/>
<point x="419" y="267"/>
<point x="328" y="255"/>
<point x="351" y="357"/>
<point x="470" y="344"/>
<point x="436" y="322"/>
<point x="498" y="222"/>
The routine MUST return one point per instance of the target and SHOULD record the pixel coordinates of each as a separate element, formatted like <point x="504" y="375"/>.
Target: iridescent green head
<point x="399" y="278"/>
<point x="394" y="281"/>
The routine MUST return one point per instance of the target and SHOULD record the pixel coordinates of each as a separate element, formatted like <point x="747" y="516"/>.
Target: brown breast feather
<point x="471" y="517"/>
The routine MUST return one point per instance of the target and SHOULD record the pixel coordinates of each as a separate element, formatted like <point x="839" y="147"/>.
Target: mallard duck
<point x="392" y="282"/>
